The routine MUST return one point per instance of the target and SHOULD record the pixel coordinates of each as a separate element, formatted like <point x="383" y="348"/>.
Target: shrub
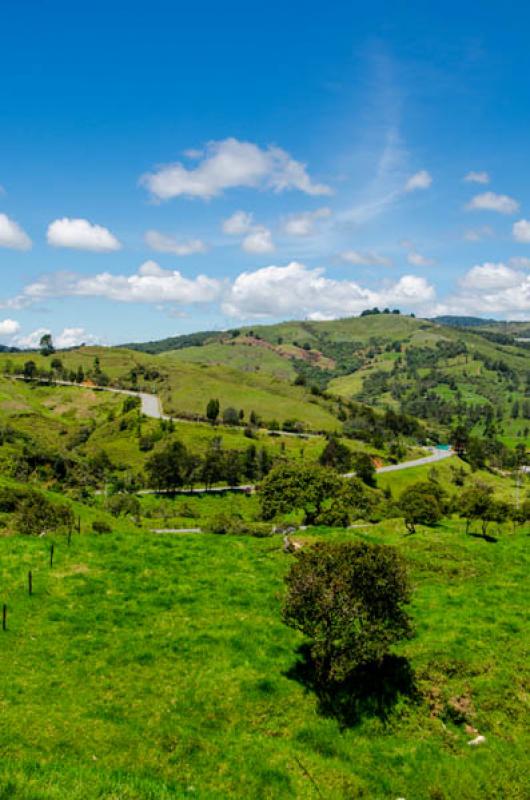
<point x="36" y="514"/>
<point x="349" y="599"/>
<point x="101" y="526"/>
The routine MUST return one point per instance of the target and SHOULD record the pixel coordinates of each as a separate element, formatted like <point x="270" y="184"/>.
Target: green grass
<point x="157" y="667"/>
<point x="243" y="357"/>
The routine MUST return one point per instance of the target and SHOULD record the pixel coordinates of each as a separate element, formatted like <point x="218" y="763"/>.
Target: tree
<point x="213" y="464"/>
<point x="30" y="370"/>
<point x="336" y="454"/>
<point x="474" y="502"/>
<point x="167" y="468"/>
<point x="364" y="468"/>
<point x="46" y="345"/>
<point x="212" y="410"/>
<point x="230" y="416"/>
<point x="349" y="599"/>
<point x="305" y="487"/>
<point x="420" y="504"/>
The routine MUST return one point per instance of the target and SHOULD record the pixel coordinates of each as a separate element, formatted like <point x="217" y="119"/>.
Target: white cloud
<point x="489" y="201"/>
<point x="8" y="327"/>
<point x="258" y="241"/>
<point x="81" y="234"/>
<point x="68" y="337"/>
<point x="228" y="164"/>
<point x="420" y="180"/>
<point x="73" y="337"/>
<point x="303" y="224"/>
<point x="31" y="340"/>
<point x="491" y="289"/>
<point x="477" y="177"/>
<point x="258" y="238"/>
<point x="490" y="276"/>
<point x="417" y="260"/>
<point x="477" y="234"/>
<point x="295" y="290"/>
<point x="366" y="258"/>
<point x="240" y="222"/>
<point x="151" y="284"/>
<point x="521" y="231"/>
<point x="168" y="244"/>
<point x="12" y="235"/>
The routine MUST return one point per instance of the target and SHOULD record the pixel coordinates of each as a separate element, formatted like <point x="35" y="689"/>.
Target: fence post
<point x="4" y="617"/>
<point x="30" y="583"/>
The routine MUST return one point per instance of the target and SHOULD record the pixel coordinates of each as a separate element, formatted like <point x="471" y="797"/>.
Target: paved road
<point x="437" y="454"/>
<point x="151" y="407"/>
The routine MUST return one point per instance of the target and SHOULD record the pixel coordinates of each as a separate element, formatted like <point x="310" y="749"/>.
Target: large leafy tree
<point x="349" y="599"/>
<point x="423" y="503"/>
<point x="167" y="469"/>
<point x="298" y="486"/>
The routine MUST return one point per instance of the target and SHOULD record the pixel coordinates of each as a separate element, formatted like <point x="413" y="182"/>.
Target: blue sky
<point x="166" y="169"/>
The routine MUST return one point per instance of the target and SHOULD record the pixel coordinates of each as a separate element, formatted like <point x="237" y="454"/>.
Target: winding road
<point x="151" y="407"/>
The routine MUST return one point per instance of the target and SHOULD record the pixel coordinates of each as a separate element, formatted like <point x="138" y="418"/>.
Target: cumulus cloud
<point x="366" y="258"/>
<point x="168" y="244"/>
<point x="304" y="223"/>
<point x="12" y="235"/>
<point x="420" y="180"/>
<point x="68" y="337"/>
<point x="477" y="177"/>
<point x="521" y="231"/>
<point x="228" y="164"/>
<point x="489" y="201"/>
<point x="295" y="290"/>
<point x="489" y="276"/>
<point x="80" y="234"/>
<point x="240" y="222"/>
<point x="151" y="284"/>
<point x="491" y="289"/>
<point x="259" y="240"/>
<point x="8" y="327"/>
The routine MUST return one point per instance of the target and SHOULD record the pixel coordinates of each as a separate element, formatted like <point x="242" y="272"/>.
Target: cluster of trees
<point x="426" y="502"/>
<point x="57" y="371"/>
<point x="174" y="466"/>
<point x="324" y="496"/>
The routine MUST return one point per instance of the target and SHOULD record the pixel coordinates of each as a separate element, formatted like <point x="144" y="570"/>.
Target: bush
<point x="10" y="498"/>
<point x="36" y="515"/>
<point x="100" y="526"/>
<point x="337" y="516"/>
<point x="123" y="505"/>
<point x="349" y="599"/>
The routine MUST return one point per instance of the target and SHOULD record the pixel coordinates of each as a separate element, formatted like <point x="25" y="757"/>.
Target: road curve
<point x="152" y="407"/>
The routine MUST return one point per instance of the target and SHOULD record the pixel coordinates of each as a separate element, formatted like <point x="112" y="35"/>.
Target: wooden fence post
<point x="30" y="583"/>
<point x="4" y="617"/>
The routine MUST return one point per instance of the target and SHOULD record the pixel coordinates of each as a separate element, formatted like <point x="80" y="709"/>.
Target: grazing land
<point x="157" y="666"/>
<point x="151" y="660"/>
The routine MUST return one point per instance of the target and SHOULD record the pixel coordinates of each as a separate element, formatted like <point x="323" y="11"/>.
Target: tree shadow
<point x="371" y="690"/>
<point x="485" y="536"/>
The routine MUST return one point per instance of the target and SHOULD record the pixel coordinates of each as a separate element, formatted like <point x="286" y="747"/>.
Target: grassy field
<point x="186" y="387"/>
<point x="156" y="667"/>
